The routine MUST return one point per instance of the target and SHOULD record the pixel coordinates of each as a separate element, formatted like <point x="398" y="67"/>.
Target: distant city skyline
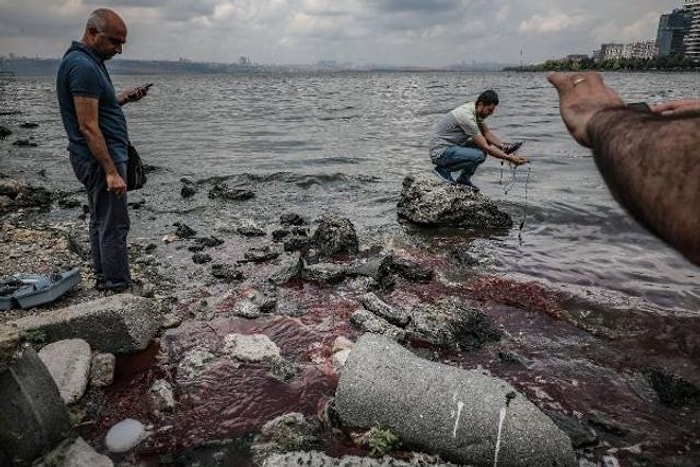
<point x="287" y="32"/>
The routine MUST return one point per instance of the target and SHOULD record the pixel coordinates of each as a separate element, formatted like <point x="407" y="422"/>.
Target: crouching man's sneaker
<point x="445" y="174"/>
<point x="467" y="183"/>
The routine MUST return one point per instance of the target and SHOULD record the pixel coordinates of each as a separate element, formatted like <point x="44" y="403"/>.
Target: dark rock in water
<point x="184" y="231"/>
<point x="29" y="125"/>
<point x="226" y="272"/>
<point x="297" y="243"/>
<point x="452" y="325"/>
<point x="394" y="316"/>
<point x="209" y="242"/>
<point x="290" y="268"/>
<point x="512" y="359"/>
<point x="672" y="390"/>
<point x="292" y="219"/>
<point x="335" y="236"/>
<point x="4" y="132"/>
<point x="25" y="143"/>
<point x="199" y="258"/>
<point x="251" y="231"/>
<point x="260" y="255"/>
<point x="279" y="234"/>
<point x="581" y="436"/>
<point x="290" y="432"/>
<point x="428" y="201"/>
<point x="601" y="423"/>
<point x="226" y="193"/>
<point x="409" y="270"/>
<point x="150" y="248"/>
<point x="187" y="191"/>
<point x="195" y="248"/>
<point x="474" y="330"/>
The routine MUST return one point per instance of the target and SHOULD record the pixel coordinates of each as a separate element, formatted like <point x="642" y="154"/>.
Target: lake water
<point x="344" y="142"/>
<point x="623" y="301"/>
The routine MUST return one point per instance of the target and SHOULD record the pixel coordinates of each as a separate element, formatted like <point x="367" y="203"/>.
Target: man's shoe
<point x="467" y="184"/>
<point x="445" y="174"/>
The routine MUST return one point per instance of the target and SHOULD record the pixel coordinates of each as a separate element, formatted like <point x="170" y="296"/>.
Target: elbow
<point x="88" y="132"/>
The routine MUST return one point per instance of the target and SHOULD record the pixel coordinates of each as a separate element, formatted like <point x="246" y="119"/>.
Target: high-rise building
<point x="692" y="36"/>
<point x="672" y="30"/>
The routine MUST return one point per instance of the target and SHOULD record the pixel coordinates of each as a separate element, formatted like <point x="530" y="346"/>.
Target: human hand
<point x="133" y="94"/>
<point x="116" y="184"/>
<point x="581" y="96"/>
<point x="677" y="107"/>
<point x="518" y="160"/>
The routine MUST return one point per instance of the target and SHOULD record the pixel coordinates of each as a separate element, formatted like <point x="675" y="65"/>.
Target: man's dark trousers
<point x="109" y="223"/>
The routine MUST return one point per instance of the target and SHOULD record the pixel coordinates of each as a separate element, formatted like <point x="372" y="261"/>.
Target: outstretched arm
<point x="650" y="162"/>
<point x="677" y="107"/>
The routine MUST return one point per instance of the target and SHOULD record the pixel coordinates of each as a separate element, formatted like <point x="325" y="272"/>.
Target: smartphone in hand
<point x="146" y="86"/>
<point x="639" y="107"/>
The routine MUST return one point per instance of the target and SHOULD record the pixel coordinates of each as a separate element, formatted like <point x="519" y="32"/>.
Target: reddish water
<point x="580" y="361"/>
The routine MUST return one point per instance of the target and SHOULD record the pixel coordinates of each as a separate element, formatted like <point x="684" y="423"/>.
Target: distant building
<point x="692" y="36"/>
<point x="612" y="51"/>
<point x="672" y="30"/>
<point x="642" y="50"/>
<point x="244" y="61"/>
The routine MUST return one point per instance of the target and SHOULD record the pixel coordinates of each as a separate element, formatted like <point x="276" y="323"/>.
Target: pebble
<point x="125" y="435"/>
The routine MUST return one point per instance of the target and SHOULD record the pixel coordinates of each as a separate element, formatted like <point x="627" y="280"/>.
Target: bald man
<point x="98" y="141"/>
<point x="649" y="160"/>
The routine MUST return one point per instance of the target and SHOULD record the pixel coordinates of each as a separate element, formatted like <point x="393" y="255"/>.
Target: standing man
<point x="462" y="141"/>
<point x="98" y="141"/>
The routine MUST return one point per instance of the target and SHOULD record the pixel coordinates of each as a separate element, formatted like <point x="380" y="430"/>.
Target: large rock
<point x="428" y="201"/>
<point x="9" y="345"/>
<point x="118" y="324"/>
<point x="335" y="236"/>
<point x="33" y="417"/>
<point x="438" y="408"/>
<point x="68" y="361"/>
<point x="76" y="453"/>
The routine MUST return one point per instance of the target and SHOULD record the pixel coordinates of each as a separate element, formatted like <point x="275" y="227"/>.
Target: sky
<point x="362" y="32"/>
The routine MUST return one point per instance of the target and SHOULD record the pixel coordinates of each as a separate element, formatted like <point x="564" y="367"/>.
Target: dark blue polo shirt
<point x="83" y="73"/>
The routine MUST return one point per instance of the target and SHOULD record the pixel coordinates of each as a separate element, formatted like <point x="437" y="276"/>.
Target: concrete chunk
<point x="68" y="361"/>
<point x="33" y="417"/>
<point x="454" y="412"/>
<point x="118" y="324"/>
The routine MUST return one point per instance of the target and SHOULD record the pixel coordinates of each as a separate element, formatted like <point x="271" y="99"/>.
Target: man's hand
<point x="115" y="183"/>
<point x="518" y="160"/>
<point x="132" y="95"/>
<point x="677" y="107"/>
<point x="581" y="96"/>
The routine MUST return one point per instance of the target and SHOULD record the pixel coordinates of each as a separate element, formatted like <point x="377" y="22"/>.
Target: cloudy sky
<point x="397" y="32"/>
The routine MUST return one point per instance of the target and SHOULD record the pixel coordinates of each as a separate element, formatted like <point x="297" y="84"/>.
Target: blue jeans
<point x="464" y="159"/>
<point x="109" y="223"/>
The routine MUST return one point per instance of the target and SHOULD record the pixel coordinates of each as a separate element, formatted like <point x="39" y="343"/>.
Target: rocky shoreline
<point x="298" y="297"/>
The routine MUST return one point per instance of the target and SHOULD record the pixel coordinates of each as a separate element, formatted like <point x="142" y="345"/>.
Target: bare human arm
<point x="488" y="142"/>
<point x="650" y="162"/>
<point x="87" y="111"/>
<point x="677" y="107"/>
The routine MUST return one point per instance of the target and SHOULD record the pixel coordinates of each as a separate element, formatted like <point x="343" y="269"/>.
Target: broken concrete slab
<point x="117" y="324"/>
<point x="464" y="415"/>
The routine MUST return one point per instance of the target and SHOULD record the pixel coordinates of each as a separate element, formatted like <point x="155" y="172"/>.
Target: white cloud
<point x="420" y="32"/>
<point x="553" y="22"/>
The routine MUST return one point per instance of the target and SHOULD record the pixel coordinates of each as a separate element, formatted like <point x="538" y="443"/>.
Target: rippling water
<point x="313" y="143"/>
<point x="345" y="141"/>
